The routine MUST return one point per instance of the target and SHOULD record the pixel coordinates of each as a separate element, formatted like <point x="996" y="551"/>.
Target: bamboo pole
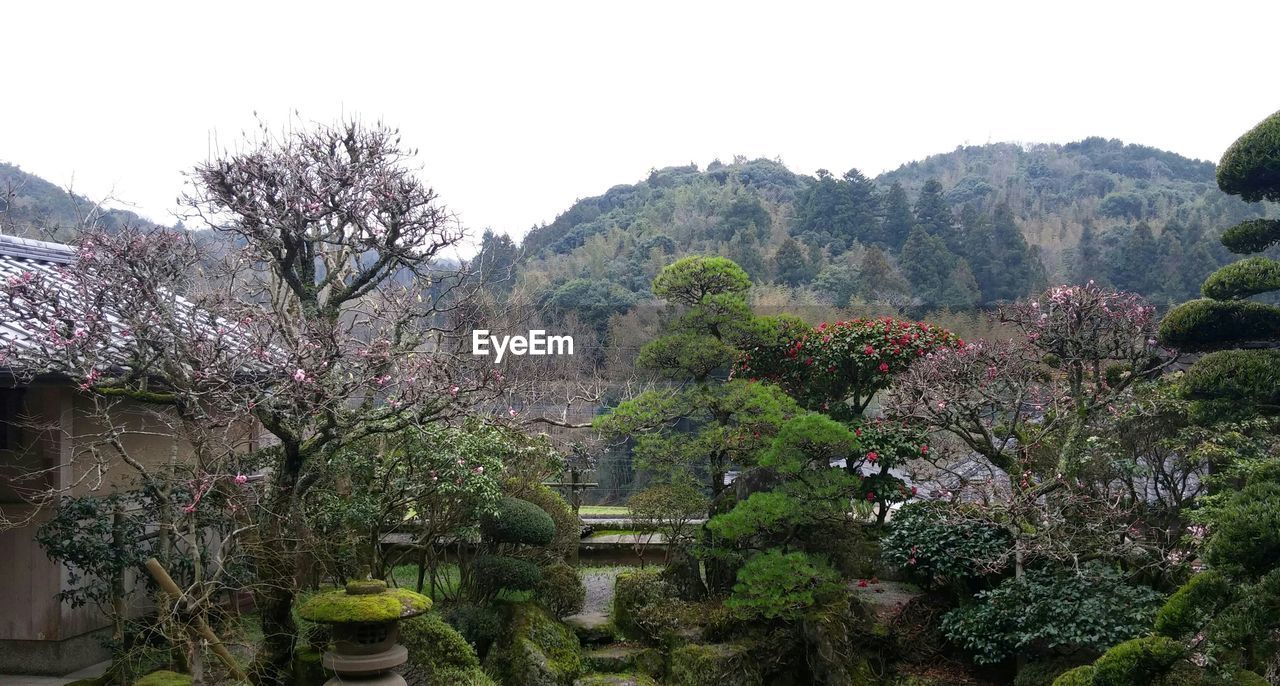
<point x="167" y="584"/>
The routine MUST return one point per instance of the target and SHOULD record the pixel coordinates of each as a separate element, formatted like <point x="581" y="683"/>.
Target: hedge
<point x="1250" y="168"/>
<point x="1254" y="235"/>
<point x="1204" y="323"/>
<point x="1244" y="376"/>
<point x="518" y="521"/>
<point x="1187" y="610"/>
<point x="1242" y="279"/>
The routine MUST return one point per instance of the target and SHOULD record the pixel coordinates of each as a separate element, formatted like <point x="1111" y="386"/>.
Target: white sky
<point x="518" y="109"/>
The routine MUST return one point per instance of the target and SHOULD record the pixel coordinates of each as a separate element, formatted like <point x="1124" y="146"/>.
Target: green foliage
<point x="778" y="585"/>
<point x="668" y="508"/>
<point x="807" y="440"/>
<point x="1204" y="323"/>
<point x="694" y="281"/>
<point x="84" y="536"/>
<point x="1250" y="168"/>
<point x="1247" y="531"/>
<point x="686" y="354"/>
<point x="1243" y="378"/>
<point x="561" y="590"/>
<point x="478" y="624"/>
<point x="494" y="573"/>
<point x="518" y="521"/>
<point x="564" y="545"/>
<point x="164" y="677"/>
<point x="1254" y="235"/>
<point x="438" y="654"/>
<point x="1191" y="606"/>
<point x="942" y="543"/>
<point x="1045" y="672"/>
<point x="1080" y="676"/>
<point x="1091" y="609"/>
<point x="1138" y="662"/>
<point x="1243" y="279"/>
<point x="592" y="301"/>
<point x="645" y="606"/>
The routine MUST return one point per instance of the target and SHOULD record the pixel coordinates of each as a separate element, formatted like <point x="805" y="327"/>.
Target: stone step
<point x="592" y="628"/>
<point x="613" y="659"/>
<point x="598" y="679"/>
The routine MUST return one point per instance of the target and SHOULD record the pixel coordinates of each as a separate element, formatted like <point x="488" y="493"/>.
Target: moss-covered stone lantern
<point x="366" y="624"/>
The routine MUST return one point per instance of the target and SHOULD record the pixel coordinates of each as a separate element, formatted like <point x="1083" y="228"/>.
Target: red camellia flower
<point x="924" y="450"/>
<point x="884" y="367"/>
<point x="871" y="497"/>
<point x="869" y="350"/>
<point x="862" y="583"/>
<point x="872" y="456"/>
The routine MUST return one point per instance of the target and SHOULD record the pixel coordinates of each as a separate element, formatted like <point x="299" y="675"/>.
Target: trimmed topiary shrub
<point x="438" y="655"/>
<point x="518" y="521"/>
<point x="1252" y="236"/>
<point x="564" y="545"/>
<point x="1080" y="676"/>
<point x="495" y="573"/>
<point x="561" y="590"/>
<point x="1247" y="536"/>
<point x="1250" y="168"/>
<point x="1248" y="277"/>
<point x="1190" y="607"/>
<point x="1240" y="376"/>
<point x="1204" y="323"/>
<point x="1138" y="662"/>
<point x="777" y="585"/>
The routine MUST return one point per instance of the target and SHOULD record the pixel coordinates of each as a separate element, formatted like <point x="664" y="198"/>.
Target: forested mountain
<point x="957" y="230"/>
<point x="32" y="207"/>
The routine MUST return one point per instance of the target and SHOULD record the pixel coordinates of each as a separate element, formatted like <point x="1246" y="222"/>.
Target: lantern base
<point x="383" y="679"/>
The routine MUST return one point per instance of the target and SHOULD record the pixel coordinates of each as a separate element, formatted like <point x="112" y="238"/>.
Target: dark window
<point x="11" y="418"/>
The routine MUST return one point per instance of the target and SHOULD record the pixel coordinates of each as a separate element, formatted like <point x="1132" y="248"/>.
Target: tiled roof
<point x="20" y="255"/>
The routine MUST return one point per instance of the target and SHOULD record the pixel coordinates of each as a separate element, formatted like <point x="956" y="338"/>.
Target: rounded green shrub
<point x="518" y="521"/>
<point x="564" y="544"/>
<point x="1254" y="235"/>
<point x="1250" y="168"/>
<point x="1242" y="279"/>
<point x="1204" y="323"/>
<point x="438" y="654"/>
<point x="1138" y="662"/>
<point x="1186" y="611"/>
<point x="494" y="573"/>
<point x="1080" y="676"/>
<point x="1242" y="376"/>
<point x="777" y="585"/>
<point x="1247" y="535"/>
<point x="561" y="590"/>
<point x="938" y="543"/>
<point x="645" y="605"/>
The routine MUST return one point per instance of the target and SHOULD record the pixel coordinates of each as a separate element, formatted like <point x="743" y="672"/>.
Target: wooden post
<point x="168" y="586"/>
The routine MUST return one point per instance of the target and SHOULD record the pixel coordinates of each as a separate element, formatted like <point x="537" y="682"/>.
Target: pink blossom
<point x="299" y="376"/>
<point x="241" y="479"/>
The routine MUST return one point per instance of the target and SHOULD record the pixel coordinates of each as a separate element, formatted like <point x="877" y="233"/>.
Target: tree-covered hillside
<point x="32" y="207"/>
<point x="958" y="230"/>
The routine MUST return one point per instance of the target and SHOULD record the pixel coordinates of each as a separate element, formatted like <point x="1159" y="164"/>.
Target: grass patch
<point x="615" y="532"/>
<point x="604" y="510"/>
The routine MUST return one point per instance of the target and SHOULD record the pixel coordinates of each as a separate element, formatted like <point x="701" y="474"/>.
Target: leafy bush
<point x="645" y="606"/>
<point x="1050" y="610"/>
<point x="778" y="585"/>
<point x="1138" y="662"/>
<point x="478" y="625"/>
<point x="934" y="542"/>
<point x="494" y="573"/>
<point x="561" y="590"/>
<point x="1252" y="236"/>
<point x="1243" y="279"/>
<point x="1080" y="676"/>
<point x="565" y="543"/>
<point x="1187" y="610"/>
<point x="1251" y="166"/>
<point x="1204" y="323"/>
<point x="438" y="654"/>
<point x="518" y="521"/>
<point x="1248" y="377"/>
<point x="1247" y="535"/>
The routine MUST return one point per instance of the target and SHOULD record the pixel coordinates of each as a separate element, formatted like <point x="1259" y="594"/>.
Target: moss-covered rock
<point x="1250" y="168"/>
<point x="713" y="665"/>
<point x="533" y="649"/>
<point x="1045" y="672"/>
<point x="438" y="654"/>
<point x="164" y="678"/>
<point x="340" y="607"/>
